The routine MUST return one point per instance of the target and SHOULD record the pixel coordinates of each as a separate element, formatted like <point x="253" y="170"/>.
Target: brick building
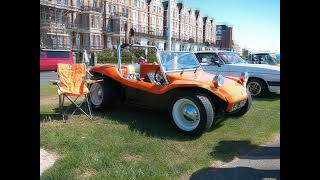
<point x="98" y="24"/>
<point x="224" y="37"/>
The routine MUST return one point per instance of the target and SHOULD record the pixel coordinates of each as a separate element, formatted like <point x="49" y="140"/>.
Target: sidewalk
<point x="46" y="160"/>
<point x="261" y="163"/>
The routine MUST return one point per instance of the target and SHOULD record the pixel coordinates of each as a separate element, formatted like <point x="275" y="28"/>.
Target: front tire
<point x="191" y="113"/>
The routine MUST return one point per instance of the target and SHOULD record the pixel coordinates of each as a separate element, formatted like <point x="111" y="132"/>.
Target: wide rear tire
<point x="104" y="94"/>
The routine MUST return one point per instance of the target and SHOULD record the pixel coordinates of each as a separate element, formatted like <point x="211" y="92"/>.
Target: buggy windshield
<point x="177" y="61"/>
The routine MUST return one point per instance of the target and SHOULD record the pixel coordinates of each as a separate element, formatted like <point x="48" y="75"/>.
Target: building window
<point x="135" y="4"/>
<point x="79" y="3"/>
<point x="143" y="18"/>
<point x="60" y="42"/>
<point x="142" y="4"/>
<point x="113" y="10"/>
<point x="87" y="42"/>
<point x="134" y="17"/>
<point x="94" y="3"/>
<point x="92" y="41"/>
<point x="92" y="21"/>
<point x="97" y="22"/>
<point x="98" y="41"/>
<point x="153" y="21"/>
<point x="135" y="28"/>
<point x="54" y="41"/>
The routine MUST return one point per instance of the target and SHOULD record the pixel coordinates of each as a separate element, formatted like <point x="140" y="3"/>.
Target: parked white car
<point x="263" y="78"/>
<point x="263" y="58"/>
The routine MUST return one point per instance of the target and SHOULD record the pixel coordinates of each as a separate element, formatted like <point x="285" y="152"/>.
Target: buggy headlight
<point x="219" y="79"/>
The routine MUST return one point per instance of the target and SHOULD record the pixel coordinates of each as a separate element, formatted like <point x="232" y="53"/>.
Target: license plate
<point x="239" y="105"/>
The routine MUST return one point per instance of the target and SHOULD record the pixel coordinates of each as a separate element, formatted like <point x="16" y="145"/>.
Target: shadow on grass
<point x="50" y="116"/>
<point x="227" y="150"/>
<point x="235" y="173"/>
<point x="269" y="97"/>
<point x="56" y="115"/>
<point x="151" y="123"/>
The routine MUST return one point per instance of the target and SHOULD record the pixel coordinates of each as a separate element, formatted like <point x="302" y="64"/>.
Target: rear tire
<point x="191" y="113"/>
<point x="104" y="94"/>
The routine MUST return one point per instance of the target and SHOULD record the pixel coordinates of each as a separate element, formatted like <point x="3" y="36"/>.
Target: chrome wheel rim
<point x="96" y="95"/>
<point x="254" y="88"/>
<point x="186" y="114"/>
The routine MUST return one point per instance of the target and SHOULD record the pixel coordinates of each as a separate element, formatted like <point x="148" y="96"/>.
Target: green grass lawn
<point x="47" y="90"/>
<point x="131" y="143"/>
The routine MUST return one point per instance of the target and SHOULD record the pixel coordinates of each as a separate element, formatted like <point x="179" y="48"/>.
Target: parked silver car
<point x="263" y="78"/>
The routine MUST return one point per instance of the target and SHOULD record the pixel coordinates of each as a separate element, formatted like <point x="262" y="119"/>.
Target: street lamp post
<point x="169" y="26"/>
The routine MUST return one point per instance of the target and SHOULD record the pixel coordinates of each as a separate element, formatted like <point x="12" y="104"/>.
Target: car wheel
<point x="243" y="110"/>
<point x="103" y="94"/>
<point x="191" y="113"/>
<point x="257" y="87"/>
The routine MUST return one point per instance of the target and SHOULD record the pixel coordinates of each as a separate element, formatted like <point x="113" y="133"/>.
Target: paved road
<point x="262" y="163"/>
<point x="46" y="76"/>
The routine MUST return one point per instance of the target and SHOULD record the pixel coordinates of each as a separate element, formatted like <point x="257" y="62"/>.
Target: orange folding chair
<point x="73" y="83"/>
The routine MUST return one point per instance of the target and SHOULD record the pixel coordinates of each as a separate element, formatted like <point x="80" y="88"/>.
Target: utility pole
<point x="169" y="26"/>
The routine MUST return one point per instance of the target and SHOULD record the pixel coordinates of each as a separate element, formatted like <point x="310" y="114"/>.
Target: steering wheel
<point x="158" y="77"/>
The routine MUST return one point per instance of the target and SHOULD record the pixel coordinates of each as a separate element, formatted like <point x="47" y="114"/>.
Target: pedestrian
<point x="85" y="58"/>
<point x="142" y="60"/>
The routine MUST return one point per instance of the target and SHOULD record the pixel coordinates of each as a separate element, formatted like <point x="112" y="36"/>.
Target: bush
<point x="110" y="56"/>
<point x="107" y="56"/>
<point x="152" y="58"/>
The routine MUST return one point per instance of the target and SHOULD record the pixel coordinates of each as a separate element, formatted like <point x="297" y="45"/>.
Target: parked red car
<point x="49" y="59"/>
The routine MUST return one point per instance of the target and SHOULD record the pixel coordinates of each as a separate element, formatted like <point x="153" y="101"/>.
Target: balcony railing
<point x="141" y="34"/>
<point x="63" y="25"/>
<point x="52" y="25"/>
<point x="91" y="8"/>
<point x="55" y="4"/>
<point x="119" y="14"/>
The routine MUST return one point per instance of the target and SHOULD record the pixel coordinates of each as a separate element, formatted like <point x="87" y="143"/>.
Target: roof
<point x="54" y="50"/>
<point x="262" y="52"/>
<point x="211" y="51"/>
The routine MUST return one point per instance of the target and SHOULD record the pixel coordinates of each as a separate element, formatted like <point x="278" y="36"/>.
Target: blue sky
<point x="256" y="23"/>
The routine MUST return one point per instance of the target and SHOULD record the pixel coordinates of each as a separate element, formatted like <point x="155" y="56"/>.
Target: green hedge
<point x="127" y="56"/>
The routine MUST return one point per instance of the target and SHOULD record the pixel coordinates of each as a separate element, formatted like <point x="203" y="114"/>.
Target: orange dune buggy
<point x="176" y="83"/>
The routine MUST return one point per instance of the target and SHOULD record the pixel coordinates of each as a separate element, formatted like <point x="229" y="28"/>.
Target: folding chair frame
<point x="78" y="106"/>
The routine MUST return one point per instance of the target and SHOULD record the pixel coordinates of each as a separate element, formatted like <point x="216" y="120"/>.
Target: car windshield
<point x="176" y="61"/>
<point x="267" y="58"/>
<point x="277" y="56"/>
<point x="231" y="58"/>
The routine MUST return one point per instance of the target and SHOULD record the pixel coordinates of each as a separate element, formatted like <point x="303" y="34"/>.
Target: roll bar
<point x="122" y="46"/>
